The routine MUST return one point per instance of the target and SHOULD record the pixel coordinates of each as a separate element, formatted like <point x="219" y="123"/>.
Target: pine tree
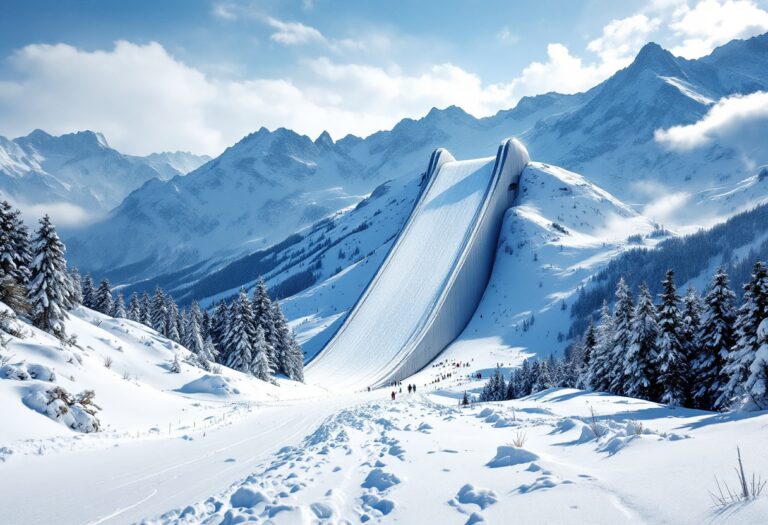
<point x="260" y="366"/>
<point x="193" y="339"/>
<point x="296" y="360"/>
<point x="586" y="351"/>
<point x="76" y="286"/>
<point x="22" y="248"/>
<point x="282" y="341"/>
<point x="89" y="292"/>
<point x="146" y="310"/>
<point x="219" y="325"/>
<point x="753" y="311"/>
<point x="240" y="336"/>
<point x="208" y="354"/>
<point x="598" y="376"/>
<point x="118" y="308"/>
<point x="49" y="293"/>
<point x="641" y="358"/>
<point x="673" y="364"/>
<point x="134" y="308"/>
<point x="263" y="317"/>
<point x="104" y="302"/>
<point x="14" y="246"/>
<point x="715" y="340"/>
<point x="159" y="312"/>
<point x="172" y="320"/>
<point x="622" y="334"/>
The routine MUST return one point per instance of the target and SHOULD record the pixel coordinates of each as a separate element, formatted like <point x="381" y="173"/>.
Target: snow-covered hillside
<point x="128" y="366"/>
<point x="40" y="172"/>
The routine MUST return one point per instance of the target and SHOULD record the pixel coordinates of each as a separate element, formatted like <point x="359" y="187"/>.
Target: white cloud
<point x="562" y="72"/>
<point x="737" y="116"/>
<point x="711" y="23"/>
<point x="622" y="39"/>
<point x="294" y="33"/>
<point x="506" y="36"/>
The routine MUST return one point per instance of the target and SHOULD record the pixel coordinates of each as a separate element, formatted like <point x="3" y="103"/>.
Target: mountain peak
<point x="655" y="58"/>
<point x="324" y="139"/>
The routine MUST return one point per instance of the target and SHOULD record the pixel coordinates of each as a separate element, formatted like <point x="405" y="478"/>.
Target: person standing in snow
<point x="393" y="395"/>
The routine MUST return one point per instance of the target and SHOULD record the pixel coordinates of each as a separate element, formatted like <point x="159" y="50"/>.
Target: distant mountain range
<point x="80" y="169"/>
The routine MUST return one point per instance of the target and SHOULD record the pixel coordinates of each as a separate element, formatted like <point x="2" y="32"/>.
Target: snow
<point x="345" y="471"/>
<point x="398" y="304"/>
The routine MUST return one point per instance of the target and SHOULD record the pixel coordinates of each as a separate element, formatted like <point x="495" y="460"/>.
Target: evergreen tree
<point x="205" y="324"/>
<point x="641" y="358"/>
<point x="756" y="385"/>
<point x="263" y="317"/>
<point x="134" y="308"/>
<point x="752" y="312"/>
<point x="282" y="341"/>
<point x="240" y="337"/>
<point x="622" y="334"/>
<point x="49" y="292"/>
<point x="260" y="366"/>
<point x="296" y="360"/>
<point x="598" y="377"/>
<point x="76" y="286"/>
<point x="208" y="354"/>
<point x="118" y="308"/>
<point x="673" y="363"/>
<point x="103" y="302"/>
<point x="15" y="256"/>
<point x="496" y="388"/>
<point x="219" y="325"/>
<point x="193" y="338"/>
<point x="586" y="351"/>
<point x="89" y="292"/>
<point x="172" y="319"/>
<point x="146" y="310"/>
<point x="159" y="312"/>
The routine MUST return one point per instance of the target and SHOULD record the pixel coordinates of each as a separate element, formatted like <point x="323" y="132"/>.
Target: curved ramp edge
<point x="461" y="287"/>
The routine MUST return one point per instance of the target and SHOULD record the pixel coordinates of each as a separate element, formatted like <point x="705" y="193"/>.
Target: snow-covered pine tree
<point x="690" y="324"/>
<point x="640" y="361"/>
<point x="714" y="342"/>
<point x="159" y="312"/>
<point x="205" y="324"/>
<point x="260" y="366"/>
<point x="146" y="310"/>
<point x="134" y="308"/>
<point x="208" y="354"/>
<point x="598" y="375"/>
<point x="282" y="341"/>
<point x="104" y="302"/>
<point x="622" y="335"/>
<point x="118" y="308"/>
<point x="752" y="312"/>
<point x="76" y="286"/>
<point x="756" y="385"/>
<point x="182" y="325"/>
<point x="219" y="323"/>
<point x="89" y="292"/>
<point x="49" y="293"/>
<point x="240" y="336"/>
<point x="496" y="387"/>
<point x="673" y="365"/>
<point x="193" y="338"/>
<point x="172" y="319"/>
<point x="296" y="359"/>
<point x="263" y="317"/>
<point x="22" y="247"/>
<point x="13" y="291"/>
<point x="15" y="256"/>
<point x="587" y="347"/>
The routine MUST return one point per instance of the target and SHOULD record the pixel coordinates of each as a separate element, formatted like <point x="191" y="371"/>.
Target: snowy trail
<point x="422" y="459"/>
<point x="132" y="480"/>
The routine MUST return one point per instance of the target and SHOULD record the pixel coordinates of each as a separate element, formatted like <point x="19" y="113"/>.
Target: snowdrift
<point x="433" y="277"/>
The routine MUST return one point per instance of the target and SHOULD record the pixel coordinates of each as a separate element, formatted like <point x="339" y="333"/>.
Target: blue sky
<point x="198" y="75"/>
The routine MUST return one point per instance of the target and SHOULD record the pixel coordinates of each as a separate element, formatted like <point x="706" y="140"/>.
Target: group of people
<point x="411" y="390"/>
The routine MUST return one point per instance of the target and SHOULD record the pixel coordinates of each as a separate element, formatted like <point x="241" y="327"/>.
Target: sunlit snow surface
<point x="410" y="284"/>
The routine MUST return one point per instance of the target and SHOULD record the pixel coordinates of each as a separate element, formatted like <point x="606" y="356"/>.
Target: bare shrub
<point x="594" y="425"/>
<point x="520" y="439"/>
<point x="108" y="362"/>
<point x="749" y="487"/>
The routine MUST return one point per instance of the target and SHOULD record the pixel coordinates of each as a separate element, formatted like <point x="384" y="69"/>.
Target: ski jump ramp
<point x="433" y="277"/>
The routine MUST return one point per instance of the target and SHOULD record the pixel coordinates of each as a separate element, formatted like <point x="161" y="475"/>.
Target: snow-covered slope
<point x="127" y="365"/>
<point x="80" y="169"/>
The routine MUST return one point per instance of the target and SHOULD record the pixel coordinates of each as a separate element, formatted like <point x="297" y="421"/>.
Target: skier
<point x="393" y="395"/>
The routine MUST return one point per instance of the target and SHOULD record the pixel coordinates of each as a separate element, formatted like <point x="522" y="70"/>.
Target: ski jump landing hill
<point x="433" y="277"/>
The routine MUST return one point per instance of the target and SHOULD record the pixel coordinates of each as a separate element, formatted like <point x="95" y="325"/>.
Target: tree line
<point x="249" y="334"/>
<point x="697" y="351"/>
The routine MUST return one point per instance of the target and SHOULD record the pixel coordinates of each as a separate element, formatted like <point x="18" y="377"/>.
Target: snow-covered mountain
<point x="271" y="184"/>
<point x="79" y="169"/>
